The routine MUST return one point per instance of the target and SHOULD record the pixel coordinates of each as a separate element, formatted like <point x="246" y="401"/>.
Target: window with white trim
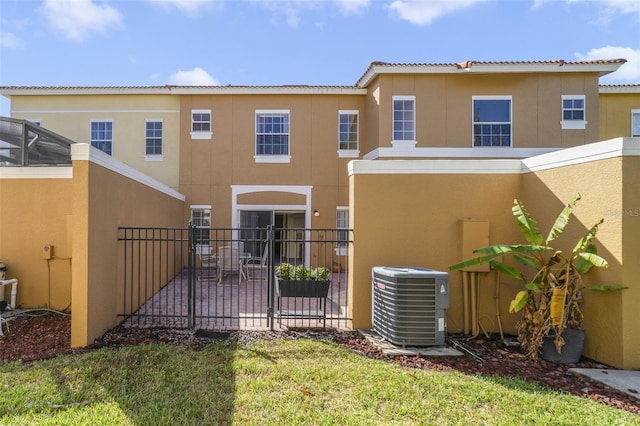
<point x="635" y="123"/>
<point x="491" y="121"/>
<point x="573" y="112"/>
<point x="102" y="135"/>
<point x="153" y="140"/>
<point x="348" y="130"/>
<point x="201" y="219"/>
<point x="201" y="124"/>
<point x="272" y="136"/>
<point x="342" y="226"/>
<point x="404" y="118"/>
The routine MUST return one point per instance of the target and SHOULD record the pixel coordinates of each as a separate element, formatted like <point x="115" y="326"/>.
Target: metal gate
<point x="224" y="279"/>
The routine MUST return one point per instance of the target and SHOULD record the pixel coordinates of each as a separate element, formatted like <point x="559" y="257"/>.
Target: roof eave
<point x="470" y="67"/>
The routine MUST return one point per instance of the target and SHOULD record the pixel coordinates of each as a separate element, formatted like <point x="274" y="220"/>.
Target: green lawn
<point x="281" y="382"/>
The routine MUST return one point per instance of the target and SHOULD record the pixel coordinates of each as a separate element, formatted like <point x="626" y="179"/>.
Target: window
<point x="272" y="136"/>
<point x="404" y="118"/>
<point x="635" y="123"/>
<point x="102" y="135"/>
<point x="348" y="133"/>
<point x="201" y="219"/>
<point x="573" y="112"/>
<point x="342" y="225"/>
<point x="491" y="121"/>
<point x="153" y="140"/>
<point x="201" y="124"/>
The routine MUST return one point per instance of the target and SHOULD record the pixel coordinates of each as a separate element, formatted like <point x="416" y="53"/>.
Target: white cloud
<point x="9" y="40"/>
<point x="352" y="6"/>
<point x="77" y="18"/>
<point x="613" y="6"/>
<point x="629" y="72"/>
<point x="421" y="12"/>
<point x="189" y="7"/>
<point x="195" y="77"/>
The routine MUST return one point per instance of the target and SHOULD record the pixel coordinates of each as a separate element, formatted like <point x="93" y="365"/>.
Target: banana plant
<point x="552" y="294"/>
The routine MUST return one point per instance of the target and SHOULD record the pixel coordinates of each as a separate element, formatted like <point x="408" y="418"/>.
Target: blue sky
<point x="315" y="42"/>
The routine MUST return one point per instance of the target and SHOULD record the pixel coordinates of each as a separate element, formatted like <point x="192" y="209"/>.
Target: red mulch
<point x="48" y="335"/>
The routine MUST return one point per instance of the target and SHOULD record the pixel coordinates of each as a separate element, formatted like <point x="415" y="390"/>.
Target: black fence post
<point x="270" y="276"/>
<point x="191" y="276"/>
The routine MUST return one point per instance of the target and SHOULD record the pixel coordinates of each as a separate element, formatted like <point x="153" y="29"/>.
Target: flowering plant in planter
<point x="301" y="281"/>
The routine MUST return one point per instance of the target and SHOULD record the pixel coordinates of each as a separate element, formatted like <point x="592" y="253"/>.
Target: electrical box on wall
<point x="47" y="251"/>
<point x="475" y="234"/>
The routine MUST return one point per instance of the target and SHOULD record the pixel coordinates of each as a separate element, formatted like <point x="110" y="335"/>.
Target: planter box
<point x="303" y="288"/>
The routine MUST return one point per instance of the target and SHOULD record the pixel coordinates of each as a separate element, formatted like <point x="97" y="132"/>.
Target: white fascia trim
<point x="477" y="152"/>
<point x="268" y="90"/>
<point x="486" y="68"/>
<point x="95" y="90"/>
<point x="426" y="167"/>
<point x="632" y="88"/>
<point x="96" y="111"/>
<point x="618" y="147"/>
<point x="36" y="172"/>
<point x="85" y="152"/>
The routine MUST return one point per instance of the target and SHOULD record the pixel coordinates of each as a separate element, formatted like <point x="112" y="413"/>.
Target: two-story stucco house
<point x="402" y="157"/>
<point x="249" y="156"/>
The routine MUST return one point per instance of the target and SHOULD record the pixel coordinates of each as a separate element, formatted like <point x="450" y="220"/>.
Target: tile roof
<point x="603" y="66"/>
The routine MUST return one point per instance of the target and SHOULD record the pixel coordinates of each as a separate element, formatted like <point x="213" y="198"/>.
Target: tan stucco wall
<point x="615" y="114"/>
<point x="35" y="212"/>
<point x="209" y="167"/>
<point x="599" y="184"/>
<point x="104" y="200"/>
<point x="630" y="212"/>
<point x="71" y="116"/>
<point x="414" y="220"/>
<point x="444" y="107"/>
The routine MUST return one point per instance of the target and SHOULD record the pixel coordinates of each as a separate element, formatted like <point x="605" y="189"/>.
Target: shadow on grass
<point x="144" y="384"/>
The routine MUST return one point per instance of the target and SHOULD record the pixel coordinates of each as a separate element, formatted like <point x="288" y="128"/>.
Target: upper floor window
<point x="102" y="135"/>
<point x="492" y="121"/>
<point x="348" y="134"/>
<point x="635" y="123"/>
<point x="272" y="136"/>
<point x="404" y="118"/>
<point x="153" y="140"/>
<point x="573" y="112"/>
<point x="201" y="124"/>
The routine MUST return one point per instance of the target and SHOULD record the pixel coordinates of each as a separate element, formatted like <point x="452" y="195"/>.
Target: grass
<point x="283" y="382"/>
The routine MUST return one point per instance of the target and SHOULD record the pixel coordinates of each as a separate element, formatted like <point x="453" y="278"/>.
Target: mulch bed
<point x="48" y="335"/>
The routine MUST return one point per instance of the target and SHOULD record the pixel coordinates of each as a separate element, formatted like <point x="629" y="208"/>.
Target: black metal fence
<point x="224" y="279"/>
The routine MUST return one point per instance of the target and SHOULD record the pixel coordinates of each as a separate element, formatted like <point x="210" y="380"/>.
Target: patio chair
<point x="229" y="262"/>
<point x="257" y="265"/>
<point x="208" y="262"/>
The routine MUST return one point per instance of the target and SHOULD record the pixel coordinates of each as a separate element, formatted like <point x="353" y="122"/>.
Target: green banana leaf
<point x="562" y="220"/>
<point x="526" y="224"/>
<point x="519" y="301"/>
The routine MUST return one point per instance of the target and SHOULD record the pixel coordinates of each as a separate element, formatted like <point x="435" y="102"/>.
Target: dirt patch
<point x="47" y="335"/>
